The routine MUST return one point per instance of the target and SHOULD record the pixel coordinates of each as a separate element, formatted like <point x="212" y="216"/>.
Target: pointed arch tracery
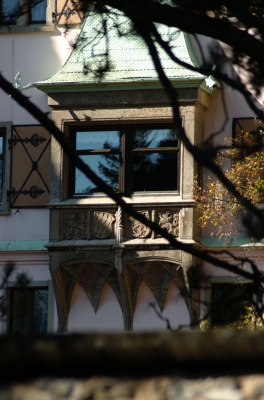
<point x="92" y="276"/>
<point x="125" y="282"/>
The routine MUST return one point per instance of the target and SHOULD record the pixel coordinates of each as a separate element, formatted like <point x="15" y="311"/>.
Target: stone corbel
<point x="192" y="295"/>
<point x="125" y="290"/>
<point x="63" y="284"/>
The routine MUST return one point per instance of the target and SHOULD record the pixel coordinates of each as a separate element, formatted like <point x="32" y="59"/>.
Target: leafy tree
<point x="220" y="209"/>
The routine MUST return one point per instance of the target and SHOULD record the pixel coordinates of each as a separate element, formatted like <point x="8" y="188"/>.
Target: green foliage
<point x="217" y="208"/>
<point x="248" y="320"/>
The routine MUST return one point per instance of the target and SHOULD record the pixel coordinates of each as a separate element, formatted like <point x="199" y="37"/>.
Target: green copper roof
<point x="128" y="58"/>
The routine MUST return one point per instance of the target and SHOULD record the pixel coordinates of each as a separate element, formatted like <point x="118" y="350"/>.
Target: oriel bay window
<point x="129" y="158"/>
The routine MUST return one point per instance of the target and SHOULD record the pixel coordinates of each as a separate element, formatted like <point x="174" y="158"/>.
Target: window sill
<point x="75" y="245"/>
<point x="136" y="200"/>
<point x="34" y="28"/>
<point x="4" y="210"/>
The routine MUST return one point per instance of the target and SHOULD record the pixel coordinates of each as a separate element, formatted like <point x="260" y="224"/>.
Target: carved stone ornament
<point x="75" y="225"/>
<point x="102" y="224"/>
<point x="140" y="230"/>
<point x="170" y="221"/>
<point x="120" y="225"/>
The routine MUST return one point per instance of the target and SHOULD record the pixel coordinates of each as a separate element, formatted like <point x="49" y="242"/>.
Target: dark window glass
<point x="152" y="172"/>
<point x="152" y="138"/>
<point x="105" y="165"/>
<point x="129" y="159"/>
<point x="10" y="9"/>
<point x="38" y="12"/>
<point x="229" y="302"/>
<point x="153" y="161"/>
<point x="1" y="164"/>
<point x="100" y="151"/>
<point x="28" y="311"/>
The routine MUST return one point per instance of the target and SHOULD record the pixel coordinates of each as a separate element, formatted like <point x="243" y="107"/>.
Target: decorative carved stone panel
<point x="102" y="224"/>
<point x="75" y="225"/>
<point x="169" y="220"/>
<point x="140" y="230"/>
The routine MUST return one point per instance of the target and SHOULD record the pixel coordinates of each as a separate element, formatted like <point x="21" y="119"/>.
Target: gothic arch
<point x="91" y="275"/>
<point x="158" y="273"/>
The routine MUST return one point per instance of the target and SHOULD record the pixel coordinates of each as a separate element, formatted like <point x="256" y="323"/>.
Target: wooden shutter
<point x="30" y="167"/>
<point x="68" y="12"/>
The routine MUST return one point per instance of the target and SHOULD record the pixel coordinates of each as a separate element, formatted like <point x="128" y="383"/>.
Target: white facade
<point x="24" y="232"/>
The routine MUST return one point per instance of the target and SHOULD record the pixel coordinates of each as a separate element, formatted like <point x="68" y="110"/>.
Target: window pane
<point x="40" y="311"/>
<point x="152" y="138"/>
<point x="38" y="12"/>
<point x="1" y="179"/>
<point x="155" y="172"/>
<point x="97" y="140"/>
<point x="1" y="145"/>
<point x="21" y="311"/>
<point x="106" y="166"/>
<point x="10" y="8"/>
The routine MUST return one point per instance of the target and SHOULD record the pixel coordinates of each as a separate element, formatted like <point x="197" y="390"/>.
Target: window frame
<point x="126" y="152"/>
<point x="25" y="23"/>
<point x="218" y="280"/>
<point x="5" y="323"/>
<point x="2" y="160"/>
<point x="5" y="130"/>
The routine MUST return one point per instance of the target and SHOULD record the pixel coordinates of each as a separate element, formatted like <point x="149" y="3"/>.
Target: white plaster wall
<point x="26" y="224"/>
<point x="82" y="317"/>
<point x="175" y="310"/>
<point x="218" y="119"/>
<point x="34" y="264"/>
<point x="36" y="57"/>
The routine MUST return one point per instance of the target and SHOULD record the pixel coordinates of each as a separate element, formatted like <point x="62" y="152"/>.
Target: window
<point x="229" y="302"/>
<point x="28" y="311"/>
<point x="130" y="159"/>
<point x="5" y="131"/>
<point x="34" y="11"/>
<point x="1" y="163"/>
<point x="37" y="13"/>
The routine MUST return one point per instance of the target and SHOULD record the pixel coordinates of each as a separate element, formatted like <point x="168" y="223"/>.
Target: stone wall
<point x="164" y="366"/>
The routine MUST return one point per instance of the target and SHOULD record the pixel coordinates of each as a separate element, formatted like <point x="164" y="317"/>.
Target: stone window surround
<point x="97" y="199"/>
<point x="48" y="284"/>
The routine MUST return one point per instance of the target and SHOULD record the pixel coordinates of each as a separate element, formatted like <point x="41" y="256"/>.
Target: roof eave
<point x="135" y="84"/>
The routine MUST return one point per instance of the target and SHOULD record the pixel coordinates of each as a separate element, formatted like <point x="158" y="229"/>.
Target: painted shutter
<point x="68" y="12"/>
<point x="30" y="167"/>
